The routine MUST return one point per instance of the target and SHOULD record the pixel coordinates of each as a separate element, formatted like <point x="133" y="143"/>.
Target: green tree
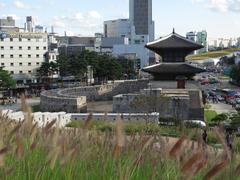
<point x="235" y="121"/>
<point x="235" y="73"/>
<point x="220" y="118"/>
<point x="104" y="66"/>
<point x="47" y="69"/>
<point x="6" y="81"/>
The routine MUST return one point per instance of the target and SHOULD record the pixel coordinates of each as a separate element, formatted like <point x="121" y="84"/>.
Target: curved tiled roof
<point x="173" y="41"/>
<point x="173" y="68"/>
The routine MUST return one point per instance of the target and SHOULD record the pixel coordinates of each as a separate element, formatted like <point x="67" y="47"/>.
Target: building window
<point x="29" y="39"/>
<point x="2" y="47"/>
<point x="20" y="72"/>
<point x="2" y="64"/>
<point x="11" y="55"/>
<point x="20" y="39"/>
<point x="44" y="48"/>
<point x="37" y="56"/>
<point x="20" y="64"/>
<point x="44" y="39"/>
<point x="37" y="48"/>
<point x="29" y="48"/>
<point x="11" y="39"/>
<point x="2" y="55"/>
<point x="11" y="64"/>
<point x="29" y="64"/>
<point x="20" y="55"/>
<point x="11" y="47"/>
<point x="29" y="72"/>
<point x="37" y="63"/>
<point x="20" y="47"/>
<point x="29" y="56"/>
<point x="12" y="72"/>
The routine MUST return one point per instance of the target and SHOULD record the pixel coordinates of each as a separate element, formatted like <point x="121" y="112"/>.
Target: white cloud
<point x="220" y="5"/>
<point x="85" y="23"/>
<point x="2" y="5"/>
<point x="20" y="5"/>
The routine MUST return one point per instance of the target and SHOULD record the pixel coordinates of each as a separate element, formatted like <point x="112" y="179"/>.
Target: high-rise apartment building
<point x="199" y="37"/>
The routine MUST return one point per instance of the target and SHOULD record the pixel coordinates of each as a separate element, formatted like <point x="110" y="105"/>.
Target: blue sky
<point x="221" y="18"/>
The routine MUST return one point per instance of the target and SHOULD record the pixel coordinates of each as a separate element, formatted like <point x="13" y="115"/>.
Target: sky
<point x="221" y="18"/>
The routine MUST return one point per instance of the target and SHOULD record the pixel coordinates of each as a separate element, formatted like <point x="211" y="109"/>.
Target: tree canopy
<point x="6" y="81"/>
<point x="104" y="66"/>
<point x="235" y="73"/>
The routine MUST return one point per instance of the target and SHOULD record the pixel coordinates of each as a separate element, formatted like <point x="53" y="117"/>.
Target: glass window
<point x="12" y="72"/>
<point x="29" y="64"/>
<point x="11" y="55"/>
<point x="2" y="47"/>
<point x="20" y="72"/>
<point x="11" y="64"/>
<point x="37" y="48"/>
<point x="20" y="55"/>
<point x="11" y="47"/>
<point x="11" y="39"/>
<point x="29" y="48"/>
<point x="2" y="64"/>
<point x="29" y="72"/>
<point x="20" y="64"/>
<point x="37" y="56"/>
<point x="2" y="55"/>
<point x="20" y="47"/>
<point x="29" y="56"/>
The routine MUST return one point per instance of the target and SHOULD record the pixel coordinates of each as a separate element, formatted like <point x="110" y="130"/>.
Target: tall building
<point x="202" y="39"/>
<point x="117" y="28"/>
<point x="140" y="14"/>
<point x="29" y="24"/>
<point x="199" y="37"/>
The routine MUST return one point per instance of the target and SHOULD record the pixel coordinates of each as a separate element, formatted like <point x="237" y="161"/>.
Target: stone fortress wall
<point x="180" y="104"/>
<point x="74" y="100"/>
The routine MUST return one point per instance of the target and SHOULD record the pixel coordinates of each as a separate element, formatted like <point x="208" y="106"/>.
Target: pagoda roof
<point x="173" y="68"/>
<point x="173" y="41"/>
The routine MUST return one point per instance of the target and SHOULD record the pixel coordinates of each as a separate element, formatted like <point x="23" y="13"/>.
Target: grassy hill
<point x="212" y="54"/>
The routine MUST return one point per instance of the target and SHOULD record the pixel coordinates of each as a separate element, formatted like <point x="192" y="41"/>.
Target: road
<point x="222" y="108"/>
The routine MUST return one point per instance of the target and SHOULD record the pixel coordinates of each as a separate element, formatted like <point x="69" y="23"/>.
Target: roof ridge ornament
<point x="173" y="31"/>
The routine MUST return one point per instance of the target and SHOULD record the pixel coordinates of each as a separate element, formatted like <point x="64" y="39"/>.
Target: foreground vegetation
<point x="31" y="152"/>
<point x="212" y="54"/>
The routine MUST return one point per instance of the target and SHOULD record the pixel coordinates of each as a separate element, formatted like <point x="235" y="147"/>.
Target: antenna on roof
<point x="173" y="31"/>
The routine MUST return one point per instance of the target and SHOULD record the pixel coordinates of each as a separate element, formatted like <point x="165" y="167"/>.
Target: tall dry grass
<point x="31" y="152"/>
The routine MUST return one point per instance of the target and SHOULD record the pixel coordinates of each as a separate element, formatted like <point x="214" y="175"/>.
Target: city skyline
<point x="218" y="17"/>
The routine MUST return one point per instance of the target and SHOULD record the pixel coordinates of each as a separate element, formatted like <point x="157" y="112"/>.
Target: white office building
<point x="22" y="53"/>
<point x="117" y="28"/>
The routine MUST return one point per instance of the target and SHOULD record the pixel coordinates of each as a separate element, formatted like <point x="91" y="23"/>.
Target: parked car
<point x="220" y="98"/>
<point x="204" y="82"/>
